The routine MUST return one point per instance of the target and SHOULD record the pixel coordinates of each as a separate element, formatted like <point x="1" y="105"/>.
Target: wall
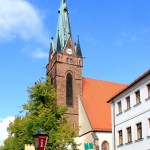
<point x="137" y="113"/>
<point x="29" y="147"/>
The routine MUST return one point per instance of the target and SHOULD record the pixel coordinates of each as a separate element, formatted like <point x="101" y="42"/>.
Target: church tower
<point x="65" y="66"/>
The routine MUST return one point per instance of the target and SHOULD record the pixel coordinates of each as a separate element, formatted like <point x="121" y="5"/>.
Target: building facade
<point x="131" y="115"/>
<point x="85" y="98"/>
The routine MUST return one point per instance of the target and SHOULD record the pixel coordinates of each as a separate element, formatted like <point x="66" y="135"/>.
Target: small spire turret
<point x="78" y="48"/>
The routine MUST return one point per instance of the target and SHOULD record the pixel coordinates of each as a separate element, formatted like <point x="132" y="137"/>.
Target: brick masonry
<point x="57" y="69"/>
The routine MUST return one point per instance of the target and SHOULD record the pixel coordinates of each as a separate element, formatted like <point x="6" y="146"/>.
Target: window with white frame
<point x="149" y="126"/>
<point x="119" y="107"/>
<point x="128" y="104"/>
<point x="120" y="136"/>
<point x="148" y="90"/>
<point x="139" y="131"/>
<point x="129" y="135"/>
<point x="137" y="96"/>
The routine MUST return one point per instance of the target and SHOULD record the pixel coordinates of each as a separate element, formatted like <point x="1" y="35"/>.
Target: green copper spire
<point x="63" y="28"/>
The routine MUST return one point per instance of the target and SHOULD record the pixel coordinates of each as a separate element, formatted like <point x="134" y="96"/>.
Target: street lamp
<point x="40" y="140"/>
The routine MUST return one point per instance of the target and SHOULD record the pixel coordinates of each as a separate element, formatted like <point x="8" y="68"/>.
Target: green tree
<point x="41" y="112"/>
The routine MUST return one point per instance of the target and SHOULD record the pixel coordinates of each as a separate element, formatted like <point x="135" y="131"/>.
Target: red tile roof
<point x="96" y="93"/>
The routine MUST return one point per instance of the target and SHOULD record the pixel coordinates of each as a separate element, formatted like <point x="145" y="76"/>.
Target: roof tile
<point x="96" y="93"/>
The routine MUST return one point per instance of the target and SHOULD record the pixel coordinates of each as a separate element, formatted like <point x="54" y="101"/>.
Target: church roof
<point x="95" y="95"/>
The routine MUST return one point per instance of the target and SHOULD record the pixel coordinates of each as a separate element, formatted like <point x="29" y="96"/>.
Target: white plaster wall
<point x="84" y="123"/>
<point x="137" y="113"/>
<point x="29" y="147"/>
<point x="104" y="136"/>
<point x="87" y="138"/>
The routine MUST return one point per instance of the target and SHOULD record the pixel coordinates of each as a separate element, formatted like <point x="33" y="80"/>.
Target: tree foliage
<point x="41" y="112"/>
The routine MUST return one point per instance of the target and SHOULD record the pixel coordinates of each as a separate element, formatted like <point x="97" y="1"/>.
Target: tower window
<point x="79" y="62"/>
<point x="59" y="57"/>
<point x="69" y="90"/>
<point x="71" y="60"/>
<point x="67" y="59"/>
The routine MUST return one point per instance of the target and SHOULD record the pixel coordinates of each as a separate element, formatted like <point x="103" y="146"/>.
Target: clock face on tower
<point x="69" y="51"/>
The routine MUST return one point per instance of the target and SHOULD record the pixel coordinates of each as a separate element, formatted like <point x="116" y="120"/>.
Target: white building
<point x="131" y="115"/>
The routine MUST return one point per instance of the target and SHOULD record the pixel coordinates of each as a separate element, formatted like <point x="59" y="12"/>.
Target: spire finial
<point x="63" y="1"/>
<point x="78" y="42"/>
<point x="52" y="38"/>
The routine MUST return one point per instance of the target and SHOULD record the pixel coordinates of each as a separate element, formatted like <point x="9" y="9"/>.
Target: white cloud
<point x="35" y="52"/>
<point x="40" y="54"/>
<point x="3" y="128"/>
<point x="20" y="18"/>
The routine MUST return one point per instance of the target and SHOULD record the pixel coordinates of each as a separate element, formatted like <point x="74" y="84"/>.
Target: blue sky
<point x="114" y="37"/>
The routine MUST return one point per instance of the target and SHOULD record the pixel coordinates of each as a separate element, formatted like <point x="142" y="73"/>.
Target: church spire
<point x="63" y="28"/>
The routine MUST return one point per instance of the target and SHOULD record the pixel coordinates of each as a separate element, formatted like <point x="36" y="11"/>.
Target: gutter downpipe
<point x="114" y="125"/>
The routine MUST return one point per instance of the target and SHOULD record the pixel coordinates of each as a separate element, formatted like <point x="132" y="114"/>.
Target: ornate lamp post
<point x="40" y="140"/>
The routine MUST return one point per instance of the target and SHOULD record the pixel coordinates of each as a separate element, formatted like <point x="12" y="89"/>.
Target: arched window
<point x="69" y="90"/>
<point x="105" y="146"/>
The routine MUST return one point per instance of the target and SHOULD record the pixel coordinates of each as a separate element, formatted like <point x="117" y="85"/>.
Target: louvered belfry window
<point x="69" y="90"/>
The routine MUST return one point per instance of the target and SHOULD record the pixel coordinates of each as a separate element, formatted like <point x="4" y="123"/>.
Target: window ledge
<point x="119" y="114"/>
<point x="137" y="104"/>
<point x="127" y="109"/>
<point x="129" y="143"/>
<point x="120" y="145"/>
<point x="147" y="99"/>
<point x="139" y="140"/>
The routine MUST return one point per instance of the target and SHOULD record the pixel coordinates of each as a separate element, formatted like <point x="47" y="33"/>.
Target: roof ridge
<point x="104" y="80"/>
<point x="131" y="84"/>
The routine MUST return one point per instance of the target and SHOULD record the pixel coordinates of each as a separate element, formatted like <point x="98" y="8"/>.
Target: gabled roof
<point x="95" y="95"/>
<point x="130" y="85"/>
